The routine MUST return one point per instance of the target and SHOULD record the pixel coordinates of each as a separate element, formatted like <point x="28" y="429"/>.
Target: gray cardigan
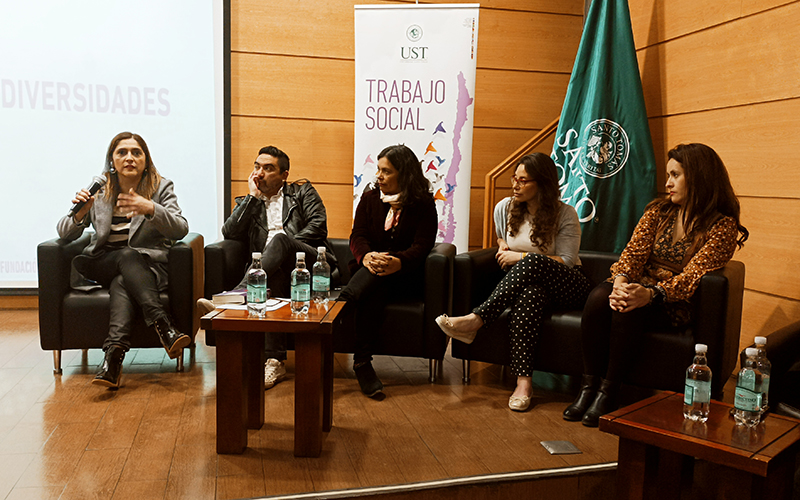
<point x="568" y="238"/>
<point x="152" y="236"/>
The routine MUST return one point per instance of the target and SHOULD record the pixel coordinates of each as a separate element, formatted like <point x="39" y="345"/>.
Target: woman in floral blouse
<point x="680" y="238"/>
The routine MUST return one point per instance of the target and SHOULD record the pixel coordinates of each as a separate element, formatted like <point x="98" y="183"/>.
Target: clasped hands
<point x="381" y="263"/>
<point x="506" y="257"/>
<point x="626" y="296"/>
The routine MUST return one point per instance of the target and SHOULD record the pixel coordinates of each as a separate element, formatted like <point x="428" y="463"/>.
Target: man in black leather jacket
<point x="278" y="219"/>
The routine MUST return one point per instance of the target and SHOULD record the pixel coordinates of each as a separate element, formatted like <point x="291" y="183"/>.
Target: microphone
<point x="97" y="182"/>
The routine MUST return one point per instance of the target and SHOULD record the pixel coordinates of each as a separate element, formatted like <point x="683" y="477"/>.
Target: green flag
<point x="603" y="147"/>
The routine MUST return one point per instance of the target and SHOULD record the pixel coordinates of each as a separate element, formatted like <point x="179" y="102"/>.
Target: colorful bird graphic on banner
<point x="440" y="160"/>
<point x="430" y="167"/>
<point x="439" y="195"/>
<point x="430" y="148"/>
<point x="358" y="179"/>
<point x="368" y="160"/>
<point x="439" y="128"/>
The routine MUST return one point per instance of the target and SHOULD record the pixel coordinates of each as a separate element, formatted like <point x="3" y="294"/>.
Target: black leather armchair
<point x="73" y="319"/>
<point x="783" y="351"/>
<point x="717" y="313"/>
<point x="409" y="328"/>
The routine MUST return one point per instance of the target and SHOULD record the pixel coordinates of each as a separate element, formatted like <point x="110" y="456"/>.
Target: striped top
<point x="120" y="230"/>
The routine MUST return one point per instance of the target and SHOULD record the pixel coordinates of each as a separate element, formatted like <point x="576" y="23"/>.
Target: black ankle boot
<point x="367" y="379"/>
<point x="172" y="340"/>
<point x="110" y="373"/>
<point x="586" y="395"/>
<point x="604" y="402"/>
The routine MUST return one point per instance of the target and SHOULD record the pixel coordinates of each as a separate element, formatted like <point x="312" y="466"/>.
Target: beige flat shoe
<point x="519" y="403"/>
<point x="447" y="327"/>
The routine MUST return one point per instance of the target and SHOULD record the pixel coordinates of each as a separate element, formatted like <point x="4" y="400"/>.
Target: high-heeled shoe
<point x="586" y="396"/>
<point x="447" y="327"/>
<point x="604" y="402"/>
<point x="110" y="374"/>
<point x="172" y="340"/>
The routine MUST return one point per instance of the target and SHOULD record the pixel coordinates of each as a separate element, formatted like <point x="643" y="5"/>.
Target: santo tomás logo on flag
<point x="603" y="147"/>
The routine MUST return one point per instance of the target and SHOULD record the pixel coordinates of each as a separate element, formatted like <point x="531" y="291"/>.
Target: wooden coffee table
<point x="657" y="447"/>
<point x="240" y="373"/>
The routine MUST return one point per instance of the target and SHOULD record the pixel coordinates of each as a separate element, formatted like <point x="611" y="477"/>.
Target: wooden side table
<point x="657" y="447"/>
<point x="240" y="374"/>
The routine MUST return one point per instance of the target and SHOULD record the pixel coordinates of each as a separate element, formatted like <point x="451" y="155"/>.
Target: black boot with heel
<point x="604" y="402"/>
<point x="586" y="396"/>
<point x="110" y="373"/>
<point x="172" y="340"/>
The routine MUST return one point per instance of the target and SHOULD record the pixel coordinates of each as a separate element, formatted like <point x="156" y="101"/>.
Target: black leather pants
<point x="131" y="282"/>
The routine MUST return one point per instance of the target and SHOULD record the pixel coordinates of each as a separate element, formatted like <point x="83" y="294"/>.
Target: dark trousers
<point x="610" y="339"/>
<point x="367" y="295"/>
<point x="533" y="286"/>
<point x="131" y="282"/>
<point x="278" y="259"/>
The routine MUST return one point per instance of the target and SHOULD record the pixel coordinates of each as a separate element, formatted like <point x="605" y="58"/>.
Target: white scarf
<point x="394" y="211"/>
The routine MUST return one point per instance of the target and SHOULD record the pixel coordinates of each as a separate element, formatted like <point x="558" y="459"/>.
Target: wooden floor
<point x="61" y="437"/>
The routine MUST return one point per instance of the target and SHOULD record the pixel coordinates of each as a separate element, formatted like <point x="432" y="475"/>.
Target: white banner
<point x="415" y="85"/>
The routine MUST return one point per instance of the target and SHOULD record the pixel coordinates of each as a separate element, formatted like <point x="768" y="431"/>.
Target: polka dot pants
<point x="533" y="286"/>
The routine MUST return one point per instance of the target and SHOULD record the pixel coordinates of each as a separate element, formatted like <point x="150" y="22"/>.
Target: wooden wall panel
<point x="515" y="99"/>
<point x="479" y="175"/>
<point x="319" y="150"/>
<point x="733" y="64"/>
<point x="490" y="146"/>
<point x="529" y="34"/>
<point x="306" y="28"/>
<point x="757" y="143"/>
<point x="658" y="20"/>
<point x="338" y="200"/>
<point x="772" y="254"/>
<point x="254" y="29"/>
<point x="754" y="6"/>
<point x="292" y="87"/>
<point x="763" y="314"/>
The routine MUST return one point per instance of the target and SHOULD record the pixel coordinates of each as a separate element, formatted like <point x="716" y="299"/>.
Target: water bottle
<point x="697" y="393"/>
<point x="301" y="286"/>
<point x="747" y="399"/>
<point x="321" y="278"/>
<point x="765" y="367"/>
<point x="256" y="287"/>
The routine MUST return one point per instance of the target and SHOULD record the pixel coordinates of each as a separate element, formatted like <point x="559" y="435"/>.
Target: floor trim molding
<point x="447" y="483"/>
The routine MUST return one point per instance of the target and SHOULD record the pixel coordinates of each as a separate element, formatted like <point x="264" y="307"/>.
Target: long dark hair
<point x="542" y="170"/>
<point x="413" y="184"/>
<point x="150" y="179"/>
<point x="709" y="193"/>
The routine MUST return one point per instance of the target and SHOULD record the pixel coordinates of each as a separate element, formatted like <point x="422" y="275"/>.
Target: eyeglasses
<point x="521" y="182"/>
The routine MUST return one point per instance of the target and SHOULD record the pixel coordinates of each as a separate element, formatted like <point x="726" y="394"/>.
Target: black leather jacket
<point x="304" y="218"/>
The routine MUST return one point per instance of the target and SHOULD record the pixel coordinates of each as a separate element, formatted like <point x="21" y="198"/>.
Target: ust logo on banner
<point x="603" y="147"/>
<point x="415" y="85"/>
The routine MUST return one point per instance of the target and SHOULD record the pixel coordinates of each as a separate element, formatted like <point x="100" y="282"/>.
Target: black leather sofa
<point x="717" y="312"/>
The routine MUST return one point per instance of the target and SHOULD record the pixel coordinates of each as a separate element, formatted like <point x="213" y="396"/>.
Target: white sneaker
<point x="274" y="372"/>
<point x="205" y="306"/>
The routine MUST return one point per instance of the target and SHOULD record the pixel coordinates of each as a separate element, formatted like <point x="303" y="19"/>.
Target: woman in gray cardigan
<point x="136" y="219"/>
<point x="538" y="237"/>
